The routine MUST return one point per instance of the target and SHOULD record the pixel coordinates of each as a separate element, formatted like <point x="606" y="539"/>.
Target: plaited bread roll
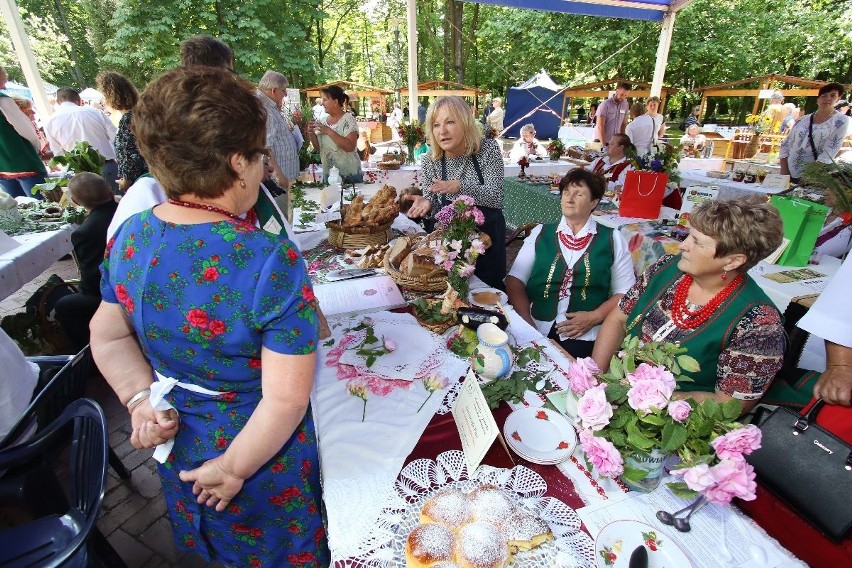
<point x="353" y="214"/>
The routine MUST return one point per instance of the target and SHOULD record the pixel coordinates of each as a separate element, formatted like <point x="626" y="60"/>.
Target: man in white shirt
<point x="642" y="131"/>
<point x="73" y="123"/>
<point x="527" y="145"/>
<point x="319" y="110"/>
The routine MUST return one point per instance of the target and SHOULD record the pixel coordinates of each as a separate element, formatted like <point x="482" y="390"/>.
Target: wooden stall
<point x="446" y="88"/>
<point x="602" y="89"/>
<point x="366" y="98"/>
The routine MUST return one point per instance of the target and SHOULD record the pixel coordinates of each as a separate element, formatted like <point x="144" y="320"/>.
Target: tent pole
<point x="666" y="27"/>
<point x="412" y="60"/>
<point x="26" y="57"/>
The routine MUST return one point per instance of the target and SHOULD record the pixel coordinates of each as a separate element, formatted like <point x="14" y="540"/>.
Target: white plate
<point x="617" y="541"/>
<point x="504" y="299"/>
<point x="540" y="435"/>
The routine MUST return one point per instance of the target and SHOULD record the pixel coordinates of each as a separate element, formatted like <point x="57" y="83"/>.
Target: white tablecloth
<point x="35" y="254"/>
<point x="727" y="189"/>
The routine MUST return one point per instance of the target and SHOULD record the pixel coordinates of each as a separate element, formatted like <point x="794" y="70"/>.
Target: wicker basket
<point x="435" y="327"/>
<point x="357" y="237"/>
<point x="417" y="283"/>
<point x="393" y="161"/>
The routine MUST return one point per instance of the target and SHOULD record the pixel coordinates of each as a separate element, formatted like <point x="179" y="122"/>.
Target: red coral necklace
<point x="249" y="218"/>
<point x="683" y="317"/>
<point x="573" y="243"/>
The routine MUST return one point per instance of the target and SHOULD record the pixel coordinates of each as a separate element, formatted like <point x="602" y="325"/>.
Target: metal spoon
<point x="682" y="524"/>
<point x="668" y="518"/>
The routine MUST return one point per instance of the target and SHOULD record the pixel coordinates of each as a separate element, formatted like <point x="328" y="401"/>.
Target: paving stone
<point x="134" y="554"/>
<point x="146" y="482"/>
<point x="159" y="538"/>
<point x="124" y="449"/>
<point x="137" y="458"/>
<point x="145" y="518"/>
<point x="121" y="513"/>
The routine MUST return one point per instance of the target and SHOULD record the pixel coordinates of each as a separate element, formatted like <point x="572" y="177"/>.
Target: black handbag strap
<point x="811" y="137"/>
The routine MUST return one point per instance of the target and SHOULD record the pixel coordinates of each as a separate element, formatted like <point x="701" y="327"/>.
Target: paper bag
<point x="642" y="195"/>
<point x="803" y="220"/>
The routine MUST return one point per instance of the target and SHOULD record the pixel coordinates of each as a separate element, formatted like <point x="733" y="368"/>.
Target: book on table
<point x="358" y="295"/>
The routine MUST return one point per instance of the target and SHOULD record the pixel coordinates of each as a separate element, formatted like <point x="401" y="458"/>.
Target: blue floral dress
<point x="203" y="299"/>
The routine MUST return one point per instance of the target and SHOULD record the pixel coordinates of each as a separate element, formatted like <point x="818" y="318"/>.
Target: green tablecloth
<point x="525" y="203"/>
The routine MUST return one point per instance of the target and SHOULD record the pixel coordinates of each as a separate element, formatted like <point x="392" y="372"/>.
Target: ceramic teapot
<point x="492" y="358"/>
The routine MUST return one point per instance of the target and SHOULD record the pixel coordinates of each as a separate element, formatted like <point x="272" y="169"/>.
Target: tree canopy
<point x="317" y="41"/>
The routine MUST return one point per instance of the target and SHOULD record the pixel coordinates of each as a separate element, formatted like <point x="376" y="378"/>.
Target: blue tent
<point x="537" y="101"/>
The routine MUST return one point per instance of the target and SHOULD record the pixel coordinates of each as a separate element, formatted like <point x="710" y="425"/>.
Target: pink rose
<point x="593" y="410"/>
<point x="581" y="374"/>
<point x="390" y="344"/>
<point x="733" y="478"/>
<point x="602" y="454"/>
<point x="697" y="478"/>
<point x="647" y="394"/>
<point x="679" y="410"/>
<point x="737" y="443"/>
<point x="646" y="372"/>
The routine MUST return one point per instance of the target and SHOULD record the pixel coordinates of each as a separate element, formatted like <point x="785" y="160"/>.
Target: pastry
<point x="427" y="544"/>
<point x="448" y="506"/>
<point x="481" y="545"/>
<point x="525" y="532"/>
<point x="491" y="504"/>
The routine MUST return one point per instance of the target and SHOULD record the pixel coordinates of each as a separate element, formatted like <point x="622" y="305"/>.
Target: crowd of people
<point x="204" y="322"/>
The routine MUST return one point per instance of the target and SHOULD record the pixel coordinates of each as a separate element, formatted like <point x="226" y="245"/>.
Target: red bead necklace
<point x="249" y="218"/>
<point x="573" y="243"/>
<point x="683" y="317"/>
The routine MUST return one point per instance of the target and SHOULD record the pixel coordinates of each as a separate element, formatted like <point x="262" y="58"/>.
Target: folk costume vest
<point x="591" y="282"/>
<point x="18" y="158"/>
<point x="704" y="343"/>
<point x="611" y="173"/>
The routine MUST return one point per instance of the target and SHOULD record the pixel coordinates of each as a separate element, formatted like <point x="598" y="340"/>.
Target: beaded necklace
<point x="249" y="218"/>
<point x="573" y="243"/>
<point x="685" y="318"/>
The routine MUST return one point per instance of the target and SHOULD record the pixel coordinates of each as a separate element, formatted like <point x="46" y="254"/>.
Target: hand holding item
<point x="835" y="385"/>
<point x="152" y="427"/>
<point x="213" y="483"/>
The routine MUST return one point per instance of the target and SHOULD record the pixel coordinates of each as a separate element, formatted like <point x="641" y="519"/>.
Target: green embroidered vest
<point x="707" y="341"/>
<point x="17" y="155"/>
<point x="591" y="282"/>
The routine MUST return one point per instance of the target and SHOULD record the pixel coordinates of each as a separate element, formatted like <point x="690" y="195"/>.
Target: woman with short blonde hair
<point x="462" y="162"/>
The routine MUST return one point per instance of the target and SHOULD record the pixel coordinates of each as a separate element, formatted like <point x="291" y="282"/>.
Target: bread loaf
<point x="419" y="262"/>
<point x="399" y="250"/>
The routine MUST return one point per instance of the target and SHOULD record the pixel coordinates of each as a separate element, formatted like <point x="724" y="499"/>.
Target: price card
<point x="477" y="428"/>
<point x="776" y="181"/>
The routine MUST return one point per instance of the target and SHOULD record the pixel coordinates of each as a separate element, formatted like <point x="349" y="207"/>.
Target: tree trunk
<point x="458" y="67"/>
<point x="75" y="58"/>
<point x="448" y="10"/>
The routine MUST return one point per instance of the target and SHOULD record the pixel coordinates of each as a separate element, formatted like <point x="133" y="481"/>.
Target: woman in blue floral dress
<point x="208" y="332"/>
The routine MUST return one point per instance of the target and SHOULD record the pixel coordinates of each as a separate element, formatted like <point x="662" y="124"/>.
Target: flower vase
<point x="523" y="174"/>
<point x="409" y="158"/>
<point x="652" y="463"/>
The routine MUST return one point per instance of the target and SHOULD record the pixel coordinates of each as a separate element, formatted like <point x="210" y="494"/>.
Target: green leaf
<point x="688" y="364"/>
<point x="616" y="368"/>
<point x="712" y="409"/>
<point x="638" y="440"/>
<point x="732" y="409"/>
<point x="680" y="489"/>
<point x="655" y="420"/>
<point x="674" y="436"/>
<point x="370" y="360"/>
<point x="616" y="391"/>
<point x="634" y="474"/>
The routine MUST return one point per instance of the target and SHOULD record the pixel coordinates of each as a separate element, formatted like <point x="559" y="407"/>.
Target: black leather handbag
<point x="807" y="467"/>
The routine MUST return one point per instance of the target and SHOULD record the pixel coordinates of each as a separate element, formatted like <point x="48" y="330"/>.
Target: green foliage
<point x="513" y="387"/>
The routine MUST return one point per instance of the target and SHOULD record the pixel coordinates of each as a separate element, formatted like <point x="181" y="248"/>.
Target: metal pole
<point x="26" y="57"/>
<point x="412" y="59"/>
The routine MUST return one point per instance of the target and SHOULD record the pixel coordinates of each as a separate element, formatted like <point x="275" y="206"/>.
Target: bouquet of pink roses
<point x="629" y="414"/>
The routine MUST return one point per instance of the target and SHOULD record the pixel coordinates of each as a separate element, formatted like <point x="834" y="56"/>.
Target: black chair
<point x="62" y="380"/>
<point x="60" y="539"/>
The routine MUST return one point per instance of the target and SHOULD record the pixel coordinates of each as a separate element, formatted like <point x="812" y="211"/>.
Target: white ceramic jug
<point x="492" y="358"/>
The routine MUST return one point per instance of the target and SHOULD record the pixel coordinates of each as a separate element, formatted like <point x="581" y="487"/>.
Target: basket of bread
<point x="410" y="261"/>
<point x="362" y="225"/>
<point x="392" y="159"/>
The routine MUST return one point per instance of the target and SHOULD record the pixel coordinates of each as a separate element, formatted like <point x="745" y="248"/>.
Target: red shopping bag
<point x="643" y="194"/>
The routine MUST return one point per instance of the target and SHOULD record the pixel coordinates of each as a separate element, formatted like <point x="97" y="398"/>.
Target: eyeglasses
<point x="265" y="153"/>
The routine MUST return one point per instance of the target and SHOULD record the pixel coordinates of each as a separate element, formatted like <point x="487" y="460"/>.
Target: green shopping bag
<point x="803" y="220"/>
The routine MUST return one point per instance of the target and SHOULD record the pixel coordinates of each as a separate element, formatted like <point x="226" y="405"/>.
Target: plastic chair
<point x="60" y="539"/>
<point x="62" y="380"/>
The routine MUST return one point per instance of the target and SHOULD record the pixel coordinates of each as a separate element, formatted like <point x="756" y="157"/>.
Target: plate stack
<point x="540" y="435"/>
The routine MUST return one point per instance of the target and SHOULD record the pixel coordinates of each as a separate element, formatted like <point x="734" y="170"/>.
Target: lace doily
<point x="420" y="479"/>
